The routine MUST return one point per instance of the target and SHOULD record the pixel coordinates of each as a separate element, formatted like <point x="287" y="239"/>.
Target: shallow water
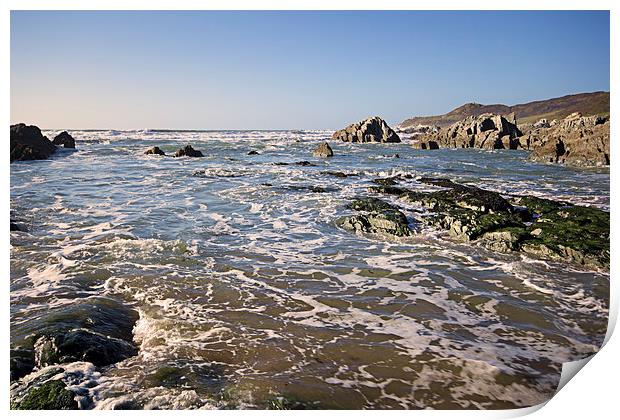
<point x="249" y="296"/>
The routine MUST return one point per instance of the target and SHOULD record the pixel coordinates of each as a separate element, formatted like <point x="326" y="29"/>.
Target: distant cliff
<point x="556" y="108"/>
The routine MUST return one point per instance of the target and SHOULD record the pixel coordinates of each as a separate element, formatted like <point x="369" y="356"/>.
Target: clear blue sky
<point x="273" y="69"/>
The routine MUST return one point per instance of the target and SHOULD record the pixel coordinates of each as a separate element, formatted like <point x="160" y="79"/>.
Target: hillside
<point x="556" y="108"/>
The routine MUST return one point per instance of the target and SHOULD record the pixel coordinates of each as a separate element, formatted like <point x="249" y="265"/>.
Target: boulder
<point x="27" y="143"/>
<point x="367" y="131"/>
<point x="65" y="140"/>
<point x="323" y="150"/>
<point x="253" y="152"/>
<point x="155" y="151"/>
<point x="378" y="217"/>
<point x="188" y="151"/>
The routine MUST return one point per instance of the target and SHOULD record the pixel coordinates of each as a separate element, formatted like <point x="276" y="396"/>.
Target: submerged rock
<point x="155" y="151"/>
<point x="369" y="130"/>
<point x="253" y="152"/>
<point x="64" y="139"/>
<point x="27" y="143"/>
<point x="188" y="151"/>
<point x="323" y="150"/>
<point x="379" y="217"/>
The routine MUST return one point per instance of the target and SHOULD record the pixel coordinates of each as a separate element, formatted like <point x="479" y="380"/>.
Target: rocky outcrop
<point x="27" y="143"/>
<point x="188" y="151"/>
<point x="155" y="151"/>
<point x="323" y="150"/>
<point x="486" y="131"/>
<point x="543" y="228"/>
<point x="65" y="140"/>
<point x="95" y="330"/>
<point x="367" y="131"/>
<point x="576" y="140"/>
<point x="378" y="217"/>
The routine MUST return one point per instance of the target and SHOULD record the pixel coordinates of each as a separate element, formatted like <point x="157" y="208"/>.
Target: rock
<point x="253" y="152"/>
<point x="22" y="362"/>
<point x="81" y="345"/>
<point x="338" y="174"/>
<point x="379" y="218"/>
<point x="51" y="395"/>
<point x="485" y="131"/>
<point x="16" y="227"/>
<point x="576" y="140"/>
<point x="369" y="130"/>
<point x="64" y="139"/>
<point x="323" y="150"/>
<point x="27" y="143"/>
<point x="95" y="330"/>
<point x="188" y="151"/>
<point x="155" y="151"/>
<point x="543" y="228"/>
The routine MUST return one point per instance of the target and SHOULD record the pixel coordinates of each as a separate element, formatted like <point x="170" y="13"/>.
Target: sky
<point x="292" y="70"/>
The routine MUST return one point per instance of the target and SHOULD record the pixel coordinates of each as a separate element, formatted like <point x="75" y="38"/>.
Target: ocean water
<point x="249" y="296"/>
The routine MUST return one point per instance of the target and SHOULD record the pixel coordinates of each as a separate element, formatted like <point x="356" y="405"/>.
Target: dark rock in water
<point x="51" y="395"/>
<point x="253" y="152"/>
<point x="379" y="218"/>
<point x="426" y="145"/>
<point x="188" y="151"/>
<point x="81" y="345"/>
<point x="27" y="143"/>
<point x="369" y="130"/>
<point x="16" y="227"/>
<point x="312" y="188"/>
<point x="337" y="174"/>
<point x="300" y="163"/>
<point x="155" y="151"/>
<point x="323" y="150"/>
<point x="96" y="330"/>
<point x="385" y="181"/>
<point x="22" y="362"/>
<point x="64" y="139"/>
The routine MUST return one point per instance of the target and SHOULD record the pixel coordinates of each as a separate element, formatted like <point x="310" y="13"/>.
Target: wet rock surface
<point x="49" y="395"/>
<point x="378" y="217"/>
<point x="543" y="228"/>
<point x="188" y="151"/>
<point x="155" y="151"/>
<point x="27" y="143"/>
<point x="369" y="130"/>
<point x="65" y="140"/>
<point x="323" y="150"/>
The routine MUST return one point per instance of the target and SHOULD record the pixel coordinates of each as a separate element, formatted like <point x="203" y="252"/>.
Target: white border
<point x="592" y="394"/>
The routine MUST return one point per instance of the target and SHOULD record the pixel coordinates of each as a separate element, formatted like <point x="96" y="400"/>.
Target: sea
<point x="249" y="296"/>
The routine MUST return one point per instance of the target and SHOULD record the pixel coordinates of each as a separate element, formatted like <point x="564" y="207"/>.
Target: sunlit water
<point x="247" y="291"/>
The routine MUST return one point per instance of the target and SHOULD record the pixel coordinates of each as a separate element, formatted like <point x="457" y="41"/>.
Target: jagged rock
<point x="486" y="131"/>
<point x="188" y="151"/>
<point x="155" y="151"/>
<point x="64" y="139"/>
<point x="27" y="143"/>
<point x="323" y="150"/>
<point x="576" y="140"/>
<point x="379" y="218"/>
<point x="369" y="130"/>
<point x="426" y="145"/>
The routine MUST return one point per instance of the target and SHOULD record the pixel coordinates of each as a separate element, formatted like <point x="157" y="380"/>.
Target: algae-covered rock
<point x="51" y="395"/>
<point x="379" y="217"/>
<point x="544" y="228"/>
